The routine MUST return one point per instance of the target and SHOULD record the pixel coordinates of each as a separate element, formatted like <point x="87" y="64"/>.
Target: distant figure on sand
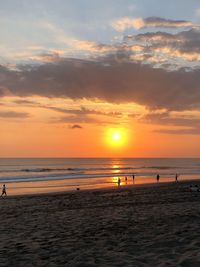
<point x="4" y="191"/>
<point x="133" y="178"/>
<point x="176" y="177"/>
<point x="158" y="177"/>
<point x="126" y="180"/>
<point x="119" y="181"/>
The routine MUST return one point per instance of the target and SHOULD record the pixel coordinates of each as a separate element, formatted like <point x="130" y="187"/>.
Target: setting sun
<point x="116" y="137"/>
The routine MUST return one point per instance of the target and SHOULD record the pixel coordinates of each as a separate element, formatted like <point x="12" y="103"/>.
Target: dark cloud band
<point x="110" y="79"/>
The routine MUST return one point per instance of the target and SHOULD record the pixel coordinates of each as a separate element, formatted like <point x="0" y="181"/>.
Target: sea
<point x="42" y="175"/>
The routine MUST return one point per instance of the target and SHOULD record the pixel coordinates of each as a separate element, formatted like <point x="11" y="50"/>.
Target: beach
<point x="144" y="225"/>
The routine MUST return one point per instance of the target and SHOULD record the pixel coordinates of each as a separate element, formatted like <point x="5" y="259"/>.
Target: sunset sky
<point x="73" y="73"/>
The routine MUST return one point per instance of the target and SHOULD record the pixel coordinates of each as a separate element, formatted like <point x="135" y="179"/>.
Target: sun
<point x="116" y="137"/>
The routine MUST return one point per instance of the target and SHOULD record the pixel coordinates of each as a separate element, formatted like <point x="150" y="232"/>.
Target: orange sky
<point x="43" y="134"/>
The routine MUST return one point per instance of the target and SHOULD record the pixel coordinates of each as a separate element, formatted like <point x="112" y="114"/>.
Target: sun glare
<point x="116" y="137"/>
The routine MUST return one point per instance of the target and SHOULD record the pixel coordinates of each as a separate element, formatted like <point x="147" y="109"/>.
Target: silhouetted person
<point x="4" y="191"/>
<point x="133" y="178"/>
<point x="176" y="177"/>
<point x="126" y="180"/>
<point x="158" y="177"/>
<point x="119" y="181"/>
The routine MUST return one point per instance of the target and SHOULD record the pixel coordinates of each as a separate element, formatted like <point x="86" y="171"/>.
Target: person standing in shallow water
<point x="158" y="177"/>
<point x="4" y="191"/>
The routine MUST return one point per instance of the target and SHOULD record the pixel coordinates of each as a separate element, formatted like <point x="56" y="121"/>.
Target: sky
<point x="76" y="75"/>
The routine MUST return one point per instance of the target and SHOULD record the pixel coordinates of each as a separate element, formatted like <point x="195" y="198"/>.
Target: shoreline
<point x="104" y="189"/>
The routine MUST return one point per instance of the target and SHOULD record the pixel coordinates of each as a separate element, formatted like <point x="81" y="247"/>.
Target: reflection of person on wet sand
<point x="119" y="181"/>
<point x="4" y="191"/>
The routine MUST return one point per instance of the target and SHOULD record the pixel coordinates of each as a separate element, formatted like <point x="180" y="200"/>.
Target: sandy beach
<point x="154" y="225"/>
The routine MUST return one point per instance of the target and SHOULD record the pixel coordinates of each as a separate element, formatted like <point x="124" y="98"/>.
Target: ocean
<point x="40" y="175"/>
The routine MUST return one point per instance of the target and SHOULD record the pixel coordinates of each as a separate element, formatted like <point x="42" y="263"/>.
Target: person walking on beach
<point x="158" y="178"/>
<point x="119" y="182"/>
<point x="126" y="180"/>
<point x="133" y="178"/>
<point x="4" y="191"/>
<point x="176" y="177"/>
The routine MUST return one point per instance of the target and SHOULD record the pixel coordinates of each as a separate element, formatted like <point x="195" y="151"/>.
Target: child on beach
<point x="4" y="191"/>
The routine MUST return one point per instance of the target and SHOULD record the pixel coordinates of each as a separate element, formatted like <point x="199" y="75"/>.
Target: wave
<point x="68" y="169"/>
<point x="41" y="170"/>
<point x="75" y="175"/>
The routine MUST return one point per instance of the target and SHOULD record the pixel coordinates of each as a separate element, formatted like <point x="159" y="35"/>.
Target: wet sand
<point x="154" y="225"/>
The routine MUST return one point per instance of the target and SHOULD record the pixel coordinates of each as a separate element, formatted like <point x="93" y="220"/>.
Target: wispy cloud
<point x="13" y="114"/>
<point x="154" y="22"/>
<point x="81" y="119"/>
<point x="162" y="47"/>
<point x="82" y="111"/>
<point x="181" y="131"/>
<point x="180" y="124"/>
<point x="26" y="102"/>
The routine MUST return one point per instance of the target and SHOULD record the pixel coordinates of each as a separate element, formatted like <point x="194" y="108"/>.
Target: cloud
<point x="25" y="102"/>
<point x="185" y="124"/>
<point x="80" y="119"/>
<point x="126" y="22"/>
<point x="46" y="57"/>
<point x="75" y="44"/>
<point x="76" y="126"/>
<point x="118" y="77"/>
<point x="83" y="115"/>
<point x="156" y="48"/>
<point x="112" y="79"/>
<point x="13" y="114"/>
<point x="92" y="46"/>
<point x="83" y="111"/>
<point x="192" y="131"/>
<point x="166" y="118"/>
<point x="168" y="48"/>
<point x="153" y="22"/>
